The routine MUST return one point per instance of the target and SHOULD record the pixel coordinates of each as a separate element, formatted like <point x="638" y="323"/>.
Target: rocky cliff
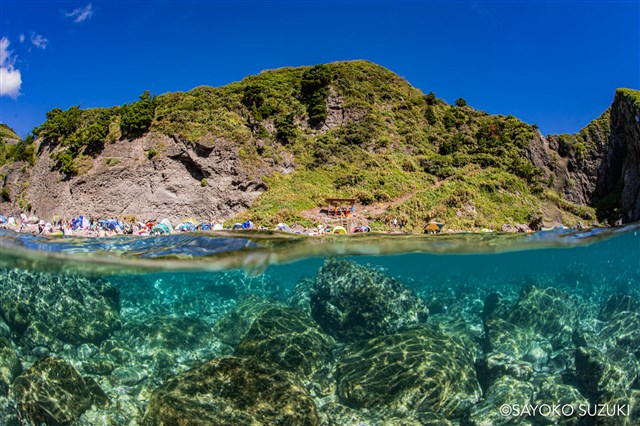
<point x="273" y="146"/>
<point x="600" y="165"/>
<point x="154" y="176"/>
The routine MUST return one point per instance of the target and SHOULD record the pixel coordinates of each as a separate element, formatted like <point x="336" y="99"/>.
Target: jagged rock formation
<point x="126" y="180"/>
<point x="599" y="166"/>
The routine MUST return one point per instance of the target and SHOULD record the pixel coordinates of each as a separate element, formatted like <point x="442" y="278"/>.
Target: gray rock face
<point x="47" y="310"/>
<point x="166" y="185"/>
<point x="52" y="392"/>
<point x="625" y="136"/>
<point x="413" y="374"/>
<point x="232" y="391"/>
<point x="352" y="302"/>
<point x="609" y="167"/>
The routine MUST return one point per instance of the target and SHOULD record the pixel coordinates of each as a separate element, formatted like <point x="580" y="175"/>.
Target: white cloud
<point x="21" y="38"/>
<point x="80" y="14"/>
<point x="10" y="78"/>
<point x="39" y="41"/>
<point x="10" y="82"/>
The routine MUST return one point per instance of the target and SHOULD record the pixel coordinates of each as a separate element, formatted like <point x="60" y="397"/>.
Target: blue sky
<point x="553" y="63"/>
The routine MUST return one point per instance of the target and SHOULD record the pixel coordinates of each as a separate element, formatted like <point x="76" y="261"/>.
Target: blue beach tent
<point x="186" y="227"/>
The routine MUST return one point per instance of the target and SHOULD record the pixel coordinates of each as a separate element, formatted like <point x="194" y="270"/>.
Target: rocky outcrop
<point x="352" y="302"/>
<point x="232" y="390"/>
<point x="625" y="144"/>
<point x="53" y="392"/>
<point x="155" y="176"/>
<point x="600" y="165"/>
<point x="414" y="373"/>
<point x="49" y="310"/>
<point x="289" y="338"/>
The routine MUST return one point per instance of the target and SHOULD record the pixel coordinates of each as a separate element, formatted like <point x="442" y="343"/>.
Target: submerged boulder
<point x="352" y="302"/>
<point x="496" y="408"/>
<point x="232" y="391"/>
<point x="47" y="309"/>
<point x="166" y="332"/>
<point x="290" y="339"/>
<point x="232" y="327"/>
<point x="548" y="311"/>
<point x="413" y="373"/>
<point x="622" y="331"/>
<point x="618" y="303"/>
<point x="10" y="365"/>
<point x="511" y="350"/>
<point x="555" y="394"/>
<point x="54" y="393"/>
<point x="601" y="372"/>
<point x="621" y="408"/>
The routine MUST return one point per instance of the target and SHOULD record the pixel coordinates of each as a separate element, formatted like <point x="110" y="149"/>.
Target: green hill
<point x="8" y="132"/>
<point x="346" y="129"/>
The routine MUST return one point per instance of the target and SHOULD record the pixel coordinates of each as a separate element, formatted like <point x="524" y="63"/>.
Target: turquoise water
<point x="263" y="328"/>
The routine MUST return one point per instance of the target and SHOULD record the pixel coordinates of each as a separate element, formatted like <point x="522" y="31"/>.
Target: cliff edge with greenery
<point x="346" y="129"/>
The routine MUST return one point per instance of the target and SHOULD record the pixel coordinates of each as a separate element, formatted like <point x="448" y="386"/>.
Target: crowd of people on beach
<point x="83" y="226"/>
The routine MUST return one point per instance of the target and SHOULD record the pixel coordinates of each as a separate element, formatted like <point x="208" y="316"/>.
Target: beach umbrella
<point x="190" y="220"/>
<point x="218" y="227"/>
<point x="339" y="230"/>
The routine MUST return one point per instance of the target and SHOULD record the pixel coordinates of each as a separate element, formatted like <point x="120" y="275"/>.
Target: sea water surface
<point x="227" y="328"/>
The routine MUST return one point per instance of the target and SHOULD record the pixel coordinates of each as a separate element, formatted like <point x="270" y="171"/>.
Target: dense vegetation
<point x="384" y="142"/>
<point x="16" y="151"/>
<point x="80" y="133"/>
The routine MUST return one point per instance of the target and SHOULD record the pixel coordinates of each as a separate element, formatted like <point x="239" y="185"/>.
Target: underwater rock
<point x="412" y="373"/>
<point x="504" y="392"/>
<point x="495" y="365"/>
<point x="548" y="311"/>
<point x="507" y="338"/>
<point x="511" y="350"/>
<point x="10" y="365"/>
<point x="617" y="303"/>
<point x="290" y="339"/>
<point x="54" y="393"/>
<point x="352" y="302"/>
<point x="165" y="345"/>
<point x="232" y="391"/>
<point x="128" y="375"/>
<point x="553" y="394"/>
<point x="624" y="409"/>
<point x="300" y="296"/>
<point x="599" y="372"/>
<point x="166" y="332"/>
<point x="124" y="412"/>
<point x="47" y="309"/>
<point x="232" y="327"/>
<point x="622" y="331"/>
<point x="332" y="412"/>
<point x="5" y="331"/>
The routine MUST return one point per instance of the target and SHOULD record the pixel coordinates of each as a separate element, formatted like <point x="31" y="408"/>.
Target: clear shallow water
<point x="344" y="330"/>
